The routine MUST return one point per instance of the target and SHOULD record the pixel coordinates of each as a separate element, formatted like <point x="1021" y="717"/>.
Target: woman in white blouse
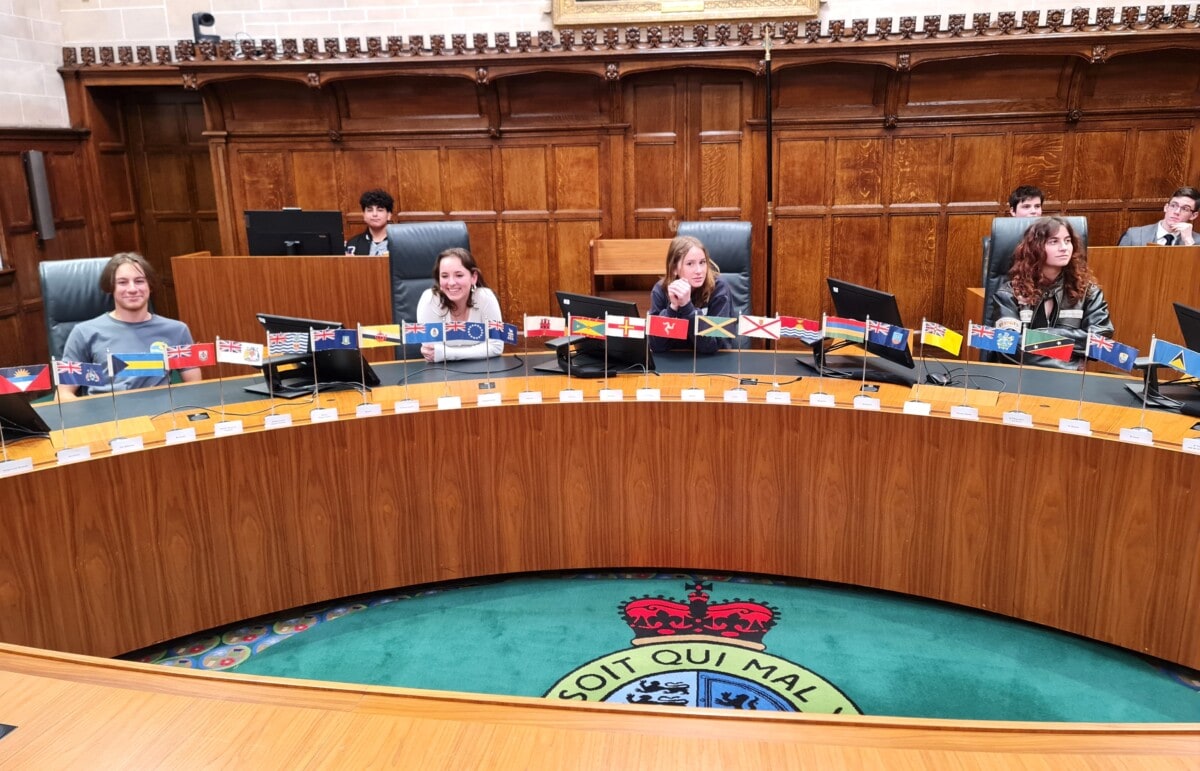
<point x="459" y="294"/>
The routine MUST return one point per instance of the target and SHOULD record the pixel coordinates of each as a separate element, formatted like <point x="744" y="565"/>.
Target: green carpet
<point x="889" y="655"/>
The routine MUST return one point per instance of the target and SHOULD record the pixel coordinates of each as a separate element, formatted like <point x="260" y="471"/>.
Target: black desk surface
<point x="766" y="366"/>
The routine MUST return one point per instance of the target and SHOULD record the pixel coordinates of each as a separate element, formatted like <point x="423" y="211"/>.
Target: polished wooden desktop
<point x="1084" y="534"/>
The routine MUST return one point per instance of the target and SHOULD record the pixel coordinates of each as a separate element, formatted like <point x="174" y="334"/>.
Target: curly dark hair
<point x="376" y="197"/>
<point x="1030" y="256"/>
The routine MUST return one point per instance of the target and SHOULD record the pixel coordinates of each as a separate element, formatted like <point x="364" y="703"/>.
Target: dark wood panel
<point x="470" y="181"/>
<point x="803" y="177"/>
<point x="1002" y="83"/>
<point x="858" y="172"/>
<point x="525" y="179"/>
<point x="1037" y="159"/>
<point x="1100" y="165"/>
<point x="420" y="175"/>
<point x="315" y="172"/>
<point x="855" y="247"/>
<point x="261" y="174"/>
<point x="835" y="88"/>
<point x="916" y="169"/>
<point x="974" y="161"/>
<point x="913" y="269"/>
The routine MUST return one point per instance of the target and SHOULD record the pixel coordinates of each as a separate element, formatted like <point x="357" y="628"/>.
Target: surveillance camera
<point x="203" y="19"/>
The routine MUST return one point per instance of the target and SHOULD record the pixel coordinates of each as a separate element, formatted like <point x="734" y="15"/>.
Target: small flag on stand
<point x="668" y="326"/>
<point x="716" y="326"/>
<point x="471" y="331"/>
<point x="379" y="336"/>
<point x="845" y="329"/>
<point x="941" y="337"/>
<point x="78" y="373"/>
<point x="625" y="326"/>
<point x="284" y="343"/>
<point x="334" y="340"/>
<point x="1045" y="344"/>
<point x="765" y="327"/>
<point x="1111" y="352"/>
<point x="191" y="356"/>
<point x="987" y="338"/>
<point x="587" y="327"/>
<point x="498" y="330"/>
<point x="125" y="365"/>
<point x="807" y="330"/>
<point x="1176" y="357"/>
<point x="888" y="335"/>
<point x="35" y="377"/>
<point x="545" y="326"/>
<point x="234" y="352"/>
<point x="431" y="332"/>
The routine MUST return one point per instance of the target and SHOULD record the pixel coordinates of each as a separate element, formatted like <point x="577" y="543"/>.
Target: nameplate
<point x="1138" y="436"/>
<point x="822" y="400"/>
<point x="407" y="405"/>
<point x="649" y="395"/>
<point x="612" y="395"/>
<point x="1192" y="445"/>
<point x="917" y="408"/>
<point x="126" y="444"/>
<point x="739" y="395"/>
<point x="181" y="435"/>
<point x="1073" y="426"/>
<point x="964" y="412"/>
<point x="529" y="397"/>
<point x="449" y="403"/>
<point x="368" y="410"/>
<point x="10" y="468"/>
<point x="494" y="399"/>
<point x="571" y="395"/>
<point x="74" y="455"/>
<point x="869" y="403"/>
<point x="691" y="395"/>
<point x="227" y="428"/>
<point x="277" y="421"/>
<point x="779" y="397"/>
<point x="323" y="415"/>
<point x="1018" y="418"/>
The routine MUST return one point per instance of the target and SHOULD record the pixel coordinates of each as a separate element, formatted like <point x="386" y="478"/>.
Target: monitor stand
<point x="820" y="366"/>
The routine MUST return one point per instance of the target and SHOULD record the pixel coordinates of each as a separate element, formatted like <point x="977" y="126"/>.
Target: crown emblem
<point x="661" y="619"/>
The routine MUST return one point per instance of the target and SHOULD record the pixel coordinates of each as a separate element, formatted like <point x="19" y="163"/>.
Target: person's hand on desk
<point x="679" y="293"/>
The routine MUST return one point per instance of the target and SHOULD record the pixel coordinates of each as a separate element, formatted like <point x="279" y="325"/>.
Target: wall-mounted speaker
<point x="39" y="193"/>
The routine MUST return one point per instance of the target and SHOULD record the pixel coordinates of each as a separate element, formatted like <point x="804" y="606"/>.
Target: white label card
<point x="368" y="410"/>
<point x="779" y="397"/>
<point x="74" y="455"/>
<point x="494" y="399"/>
<point x="407" y="405"/>
<point x="917" y="408"/>
<point x="870" y="403"/>
<point x="227" y="428"/>
<point x="1192" y="445"/>
<point x="323" y="415"/>
<point x="822" y="400"/>
<point x="1017" y="418"/>
<point x="964" y="412"/>
<point x="649" y="395"/>
<point x="19" y="466"/>
<point x="1073" y="426"/>
<point x="529" y="397"/>
<point x="691" y="395"/>
<point x="573" y="395"/>
<point x="126" y="444"/>
<point x="181" y="435"/>
<point x="739" y="395"/>
<point x="449" y="402"/>
<point x="612" y="395"/>
<point x="277" y="421"/>
<point x="1137" y="436"/>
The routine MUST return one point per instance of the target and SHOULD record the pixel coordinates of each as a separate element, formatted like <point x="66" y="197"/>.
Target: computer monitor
<point x="292" y="375"/>
<point x="852" y="301"/>
<point x="586" y="357"/>
<point x="294" y="231"/>
<point x="1189" y="325"/>
<point x="19" y="420"/>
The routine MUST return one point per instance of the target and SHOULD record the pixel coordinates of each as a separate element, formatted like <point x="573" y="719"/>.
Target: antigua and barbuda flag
<point x="19" y="380"/>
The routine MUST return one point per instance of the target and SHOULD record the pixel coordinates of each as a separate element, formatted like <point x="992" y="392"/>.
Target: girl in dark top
<point x="1050" y="287"/>
<point x="691" y="287"/>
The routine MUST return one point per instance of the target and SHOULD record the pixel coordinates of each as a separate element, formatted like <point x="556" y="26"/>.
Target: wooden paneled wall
<point x="886" y="172"/>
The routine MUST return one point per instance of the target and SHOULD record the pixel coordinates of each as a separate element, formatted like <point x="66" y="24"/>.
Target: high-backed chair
<point x="728" y="245"/>
<point x="1007" y="233"/>
<point x="70" y="294"/>
<point x="413" y="248"/>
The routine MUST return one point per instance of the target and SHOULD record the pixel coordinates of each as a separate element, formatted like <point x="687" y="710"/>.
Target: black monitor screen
<point x="294" y="231"/>
<point x="852" y="301"/>
<point x="1189" y="325"/>
<point x="18" y="418"/>
<point x="629" y="351"/>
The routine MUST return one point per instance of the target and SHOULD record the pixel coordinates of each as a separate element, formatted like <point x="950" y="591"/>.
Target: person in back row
<point x="377" y="213"/>
<point x="1174" y="229"/>
<point x="1026" y="201"/>
<point x="691" y="287"/>
<point x="129" y="328"/>
<point x="459" y="293"/>
<point x="1050" y="287"/>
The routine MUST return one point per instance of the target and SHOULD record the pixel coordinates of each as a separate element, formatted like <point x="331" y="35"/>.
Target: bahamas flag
<point x="16" y="380"/>
<point x="123" y="365"/>
<point x="1175" y="357"/>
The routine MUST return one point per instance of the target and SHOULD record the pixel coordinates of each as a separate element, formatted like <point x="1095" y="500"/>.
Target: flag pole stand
<point x="487" y="385"/>
<point x="221" y="383"/>
<point x="862" y="387"/>
<point x="112" y="392"/>
<point x="170" y="393"/>
<point x="362" y="364"/>
<point x="62" y="421"/>
<point x="316" y="375"/>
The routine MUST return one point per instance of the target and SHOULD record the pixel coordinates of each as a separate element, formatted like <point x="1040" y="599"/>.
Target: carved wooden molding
<point x="726" y="36"/>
